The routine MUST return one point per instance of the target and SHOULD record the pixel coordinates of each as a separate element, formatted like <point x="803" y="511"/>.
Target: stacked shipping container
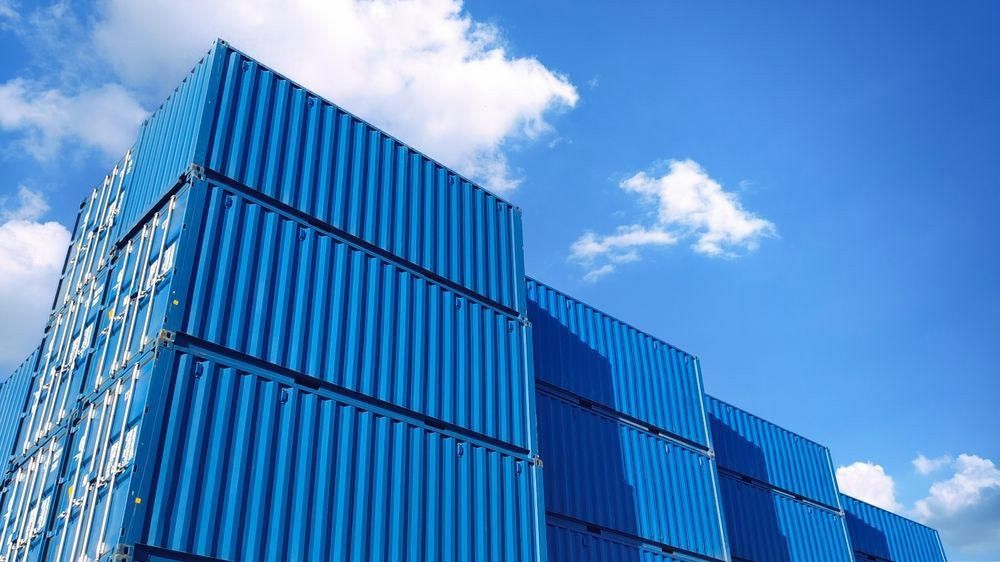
<point x="622" y="431"/>
<point x="880" y="536"/>
<point x="280" y="334"/>
<point x="778" y="491"/>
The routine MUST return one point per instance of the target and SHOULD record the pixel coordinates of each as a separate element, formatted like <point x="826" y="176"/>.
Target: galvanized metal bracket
<point x="166" y="339"/>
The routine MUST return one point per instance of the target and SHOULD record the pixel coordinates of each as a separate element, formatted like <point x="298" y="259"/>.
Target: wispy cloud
<point x="686" y="204"/>
<point x="425" y="71"/>
<point x="926" y="466"/>
<point x="104" y="117"/>
<point x="31" y="257"/>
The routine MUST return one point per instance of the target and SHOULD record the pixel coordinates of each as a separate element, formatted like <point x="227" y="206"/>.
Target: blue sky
<point x="804" y="196"/>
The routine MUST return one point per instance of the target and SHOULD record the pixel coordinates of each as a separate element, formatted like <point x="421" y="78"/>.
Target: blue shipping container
<point x="753" y="447"/>
<point x="606" y="472"/>
<point x="768" y="526"/>
<point x="882" y="536"/>
<point x="244" y="121"/>
<point x="13" y="396"/>
<point x="601" y="359"/>
<point x="187" y="293"/>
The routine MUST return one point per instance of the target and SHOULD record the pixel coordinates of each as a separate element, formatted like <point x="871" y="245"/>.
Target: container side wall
<point x="168" y="141"/>
<point x="276" y="137"/>
<point x="583" y="351"/>
<point x="270" y="286"/>
<point x="574" y="545"/>
<point x="608" y="473"/>
<point x="256" y="469"/>
<point x="766" y="526"/>
<point x="754" y="447"/>
<point x="877" y="534"/>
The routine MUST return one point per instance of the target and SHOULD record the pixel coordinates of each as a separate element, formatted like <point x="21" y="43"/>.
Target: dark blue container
<point x="879" y="535"/>
<point x="756" y="448"/>
<point x="767" y="526"/>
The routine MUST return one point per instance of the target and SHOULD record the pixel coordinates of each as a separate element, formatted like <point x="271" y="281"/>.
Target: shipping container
<point x="756" y="448"/>
<point x="601" y="359"/>
<point x="13" y="395"/>
<point x="361" y="403"/>
<point x="296" y="295"/>
<point x="882" y="536"/>
<point x="609" y="473"/>
<point x="768" y="526"/>
<point x="237" y="118"/>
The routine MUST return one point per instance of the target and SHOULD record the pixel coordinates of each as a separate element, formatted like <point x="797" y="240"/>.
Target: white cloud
<point x="964" y="508"/>
<point x="424" y="71"/>
<point x="869" y="482"/>
<point x="926" y="466"/>
<point x="974" y="476"/>
<point x="685" y="204"/>
<point x="31" y="259"/>
<point x="105" y="117"/>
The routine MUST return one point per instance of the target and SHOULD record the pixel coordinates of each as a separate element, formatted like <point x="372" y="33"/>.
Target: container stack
<point x="280" y="334"/>
<point x="778" y="491"/>
<point x="629" y="471"/>
<point x="880" y="536"/>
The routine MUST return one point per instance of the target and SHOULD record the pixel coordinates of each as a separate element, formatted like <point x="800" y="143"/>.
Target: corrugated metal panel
<point x="13" y="396"/>
<point x="612" y="474"/>
<point x="771" y="454"/>
<point x="276" y="288"/>
<point x="292" y="145"/>
<point x="588" y="353"/>
<point x="766" y="526"/>
<point x="255" y="469"/>
<point x="168" y="142"/>
<point x="877" y="534"/>
<point x="574" y="545"/>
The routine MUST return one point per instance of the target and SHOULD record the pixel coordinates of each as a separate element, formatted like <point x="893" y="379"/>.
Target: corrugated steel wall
<point x="768" y="526"/>
<point x="588" y="353"/>
<point x="877" y="534"/>
<point x="757" y="448"/>
<point x="278" y="288"/>
<point x="569" y="544"/>
<point x="610" y="473"/>
<point x="274" y="136"/>
<point x="254" y="467"/>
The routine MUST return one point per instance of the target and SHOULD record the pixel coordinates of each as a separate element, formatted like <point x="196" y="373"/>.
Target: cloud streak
<point x="686" y="204"/>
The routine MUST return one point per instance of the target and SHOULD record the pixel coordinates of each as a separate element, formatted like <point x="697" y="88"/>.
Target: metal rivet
<point x="284" y="395"/>
<point x="458" y="303"/>
<point x="451" y="181"/>
<point x="510" y="327"/>
<point x="199" y="370"/>
<point x="302" y="234"/>
<point x="229" y="201"/>
<point x="517" y="468"/>
<point x="461" y="450"/>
